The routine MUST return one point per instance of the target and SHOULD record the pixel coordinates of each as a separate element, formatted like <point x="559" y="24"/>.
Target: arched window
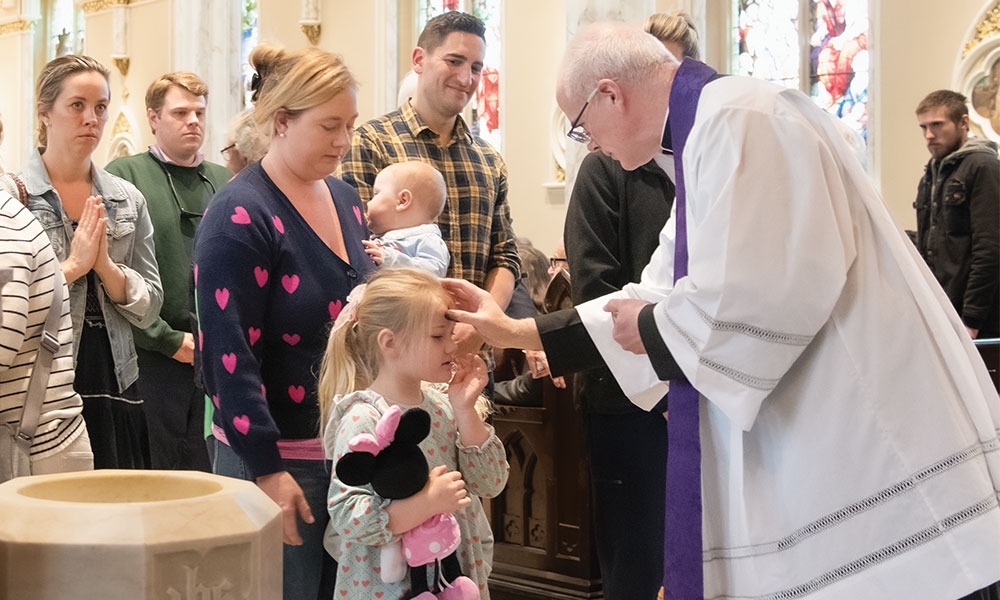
<point x="484" y="116"/>
<point x="817" y="46"/>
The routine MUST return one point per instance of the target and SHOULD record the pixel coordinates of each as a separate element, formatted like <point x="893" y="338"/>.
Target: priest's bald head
<point x="614" y="83"/>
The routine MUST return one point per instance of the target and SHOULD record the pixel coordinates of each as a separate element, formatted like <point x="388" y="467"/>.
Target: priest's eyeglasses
<point x="576" y="131"/>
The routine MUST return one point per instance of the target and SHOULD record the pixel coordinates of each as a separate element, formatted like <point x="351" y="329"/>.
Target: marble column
<point x="310" y="23"/>
<point x="119" y="38"/>
<point x="19" y="38"/>
<point x="207" y="42"/>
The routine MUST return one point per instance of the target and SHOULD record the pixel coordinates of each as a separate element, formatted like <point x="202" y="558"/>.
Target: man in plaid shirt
<point x="475" y="222"/>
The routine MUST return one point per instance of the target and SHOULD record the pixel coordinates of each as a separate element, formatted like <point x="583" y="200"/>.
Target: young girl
<point x="382" y="349"/>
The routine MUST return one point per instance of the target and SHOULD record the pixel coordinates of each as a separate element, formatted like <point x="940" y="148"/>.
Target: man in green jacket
<point x="177" y="182"/>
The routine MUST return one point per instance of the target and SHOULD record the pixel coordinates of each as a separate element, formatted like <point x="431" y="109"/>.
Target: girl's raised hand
<point x="467" y="382"/>
<point x="446" y="490"/>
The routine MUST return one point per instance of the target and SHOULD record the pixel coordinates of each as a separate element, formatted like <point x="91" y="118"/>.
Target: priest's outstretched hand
<point x="475" y="306"/>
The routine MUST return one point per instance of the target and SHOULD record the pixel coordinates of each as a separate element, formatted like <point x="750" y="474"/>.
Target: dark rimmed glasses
<point x="576" y="131"/>
<point x="225" y="151"/>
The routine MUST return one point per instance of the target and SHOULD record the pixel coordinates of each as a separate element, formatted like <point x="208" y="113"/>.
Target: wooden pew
<point x="544" y="538"/>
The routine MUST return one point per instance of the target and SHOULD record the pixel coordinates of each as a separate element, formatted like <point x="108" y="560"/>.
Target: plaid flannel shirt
<point x="475" y="222"/>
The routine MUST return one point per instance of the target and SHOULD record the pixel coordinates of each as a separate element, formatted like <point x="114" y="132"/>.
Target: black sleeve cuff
<point x="659" y="355"/>
<point x="566" y="342"/>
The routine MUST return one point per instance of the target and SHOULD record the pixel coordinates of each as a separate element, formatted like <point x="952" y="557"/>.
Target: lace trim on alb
<point x="886" y="553"/>
<point x="759" y="383"/>
<point x="878" y="498"/>
<point x="882" y="496"/>
<point x="767" y="335"/>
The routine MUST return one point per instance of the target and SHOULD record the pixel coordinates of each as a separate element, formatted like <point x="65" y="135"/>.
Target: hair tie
<point x="350" y="311"/>
<point x="254" y="87"/>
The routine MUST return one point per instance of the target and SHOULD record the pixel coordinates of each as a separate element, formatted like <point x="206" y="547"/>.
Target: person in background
<point x="177" y="183"/>
<point x="244" y="142"/>
<point x="100" y="230"/>
<point x="275" y="257"/>
<point x="958" y="203"/>
<point x="529" y="293"/>
<point x="611" y="231"/>
<point x="776" y="305"/>
<point x="27" y="279"/>
<point x="523" y="388"/>
<point x="408" y="198"/>
<point x="407" y="88"/>
<point x="676" y="31"/>
<point x="475" y="222"/>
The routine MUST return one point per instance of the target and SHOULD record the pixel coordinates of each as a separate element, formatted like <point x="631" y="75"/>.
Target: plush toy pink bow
<point x="385" y="432"/>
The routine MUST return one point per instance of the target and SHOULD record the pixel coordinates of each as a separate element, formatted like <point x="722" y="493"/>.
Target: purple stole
<point x="683" y="574"/>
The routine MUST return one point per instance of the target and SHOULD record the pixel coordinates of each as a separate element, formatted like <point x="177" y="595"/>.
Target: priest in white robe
<point x="850" y="434"/>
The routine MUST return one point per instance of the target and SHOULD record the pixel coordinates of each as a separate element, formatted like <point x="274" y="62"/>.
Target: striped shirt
<point x="26" y="300"/>
<point x="475" y="222"/>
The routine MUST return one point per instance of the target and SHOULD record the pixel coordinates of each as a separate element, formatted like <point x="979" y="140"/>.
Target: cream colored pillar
<point x="206" y="40"/>
<point x="19" y="22"/>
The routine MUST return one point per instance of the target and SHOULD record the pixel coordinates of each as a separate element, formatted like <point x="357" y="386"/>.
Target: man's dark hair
<point x="953" y="102"/>
<point x="438" y="28"/>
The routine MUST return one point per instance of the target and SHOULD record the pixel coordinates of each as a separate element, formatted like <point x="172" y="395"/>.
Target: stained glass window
<point x="768" y="40"/>
<point x="484" y="112"/>
<point x="248" y="41"/>
<point x="817" y="46"/>
<point x="838" y="60"/>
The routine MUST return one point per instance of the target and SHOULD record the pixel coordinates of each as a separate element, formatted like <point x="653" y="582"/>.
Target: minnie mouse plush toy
<point x="395" y="466"/>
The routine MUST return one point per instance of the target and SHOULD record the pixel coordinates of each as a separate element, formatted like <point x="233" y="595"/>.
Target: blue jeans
<point x="309" y="573"/>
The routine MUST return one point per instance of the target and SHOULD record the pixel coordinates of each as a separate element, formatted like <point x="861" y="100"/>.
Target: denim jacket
<point x="130" y="245"/>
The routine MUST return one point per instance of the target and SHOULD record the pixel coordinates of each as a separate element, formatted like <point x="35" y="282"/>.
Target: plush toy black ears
<point x="355" y="468"/>
<point x="414" y="426"/>
<point x="402" y="458"/>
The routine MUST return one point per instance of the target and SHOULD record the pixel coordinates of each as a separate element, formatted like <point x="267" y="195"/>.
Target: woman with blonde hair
<point x="100" y="230"/>
<point x="275" y="256"/>
<point x="676" y="31"/>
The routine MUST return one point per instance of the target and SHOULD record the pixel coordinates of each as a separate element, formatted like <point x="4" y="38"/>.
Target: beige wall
<point x="916" y="49"/>
<point x="527" y="110"/>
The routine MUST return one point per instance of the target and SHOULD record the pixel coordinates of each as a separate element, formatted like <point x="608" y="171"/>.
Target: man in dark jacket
<point x="958" y="212"/>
